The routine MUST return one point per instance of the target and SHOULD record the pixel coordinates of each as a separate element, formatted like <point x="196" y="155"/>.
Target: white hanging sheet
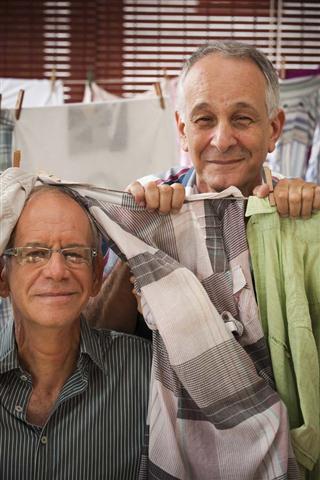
<point x="37" y="93"/>
<point x="107" y="144"/>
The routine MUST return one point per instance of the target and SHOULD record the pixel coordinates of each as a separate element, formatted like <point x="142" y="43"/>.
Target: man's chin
<point x="222" y="182"/>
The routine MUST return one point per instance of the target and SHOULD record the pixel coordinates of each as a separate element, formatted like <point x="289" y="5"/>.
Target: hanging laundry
<point x="107" y="143"/>
<point x="37" y="93"/>
<point x="300" y="100"/>
<point x="6" y="132"/>
<point x="94" y="93"/>
<point x="169" y="88"/>
<point x="313" y="171"/>
<point x="286" y="265"/>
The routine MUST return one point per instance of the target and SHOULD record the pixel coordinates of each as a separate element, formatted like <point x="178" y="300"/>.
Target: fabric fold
<point x="213" y="411"/>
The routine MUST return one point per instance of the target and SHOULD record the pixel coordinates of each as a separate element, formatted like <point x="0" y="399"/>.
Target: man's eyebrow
<point x="238" y="105"/>
<point x="71" y="245"/>
<point x="199" y="107"/>
<point x="42" y="244"/>
<point x="35" y="244"/>
<point x="246" y="106"/>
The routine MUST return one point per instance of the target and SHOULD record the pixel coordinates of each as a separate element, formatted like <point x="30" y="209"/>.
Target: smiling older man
<point x="73" y="400"/>
<point x="229" y="119"/>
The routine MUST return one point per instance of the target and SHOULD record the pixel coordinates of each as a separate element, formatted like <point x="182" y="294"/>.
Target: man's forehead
<point x="224" y="70"/>
<point x="44" y="202"/>
<point x="238" y="83"/>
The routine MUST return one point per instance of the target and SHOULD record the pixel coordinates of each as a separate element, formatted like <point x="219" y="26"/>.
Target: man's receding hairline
<point x="57" y="190"/>
<point x="232" y="50"/>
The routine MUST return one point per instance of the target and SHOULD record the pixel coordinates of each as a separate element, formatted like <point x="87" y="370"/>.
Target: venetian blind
<point x="127" y="45"/>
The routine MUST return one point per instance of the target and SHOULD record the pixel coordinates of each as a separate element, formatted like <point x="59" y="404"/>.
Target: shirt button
<point x="18" y="408"/>
<point x="44" y="440"/>
<point x="24" y="378"/>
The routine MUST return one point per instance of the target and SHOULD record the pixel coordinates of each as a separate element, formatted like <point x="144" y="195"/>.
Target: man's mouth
<point x="225" y="161"/>
<point x="55" y="296"/>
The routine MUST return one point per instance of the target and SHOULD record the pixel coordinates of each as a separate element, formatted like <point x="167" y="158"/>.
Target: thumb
<point x="261" y="191"/>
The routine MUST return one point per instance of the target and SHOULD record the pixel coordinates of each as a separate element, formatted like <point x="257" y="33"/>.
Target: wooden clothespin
<point x="16" y="158"/>
<point x="282" y="71"/>
<point x="268" y="177"/>
<point x="90" y="80"/>
<point x="158" y="90"/>
<point x="165" y="74"/>
<point x="53" y="78"/>
<point x="19" y="103"/>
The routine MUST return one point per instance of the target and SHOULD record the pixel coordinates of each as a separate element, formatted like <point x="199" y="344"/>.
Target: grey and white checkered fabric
<point x="213" y="411"/>
<point x="6" y="131"/>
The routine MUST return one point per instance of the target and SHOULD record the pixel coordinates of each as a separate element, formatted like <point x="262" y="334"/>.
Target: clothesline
<point x="83" y="82"/>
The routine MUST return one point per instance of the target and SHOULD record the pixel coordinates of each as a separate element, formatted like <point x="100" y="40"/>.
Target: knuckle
<point x="178" y="187"/>
<point x="282" y="183"/>
<point x="281" y="195"/>
<point x="131" y="187"/>
<point x="307" y="194"/>
<point x="295" y="198"/>
<point x="165" y="188"/>
<point x="150" y="186"/>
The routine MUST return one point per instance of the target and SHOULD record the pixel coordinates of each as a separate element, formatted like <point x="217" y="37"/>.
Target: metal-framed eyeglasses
<point x="73" y="256"/>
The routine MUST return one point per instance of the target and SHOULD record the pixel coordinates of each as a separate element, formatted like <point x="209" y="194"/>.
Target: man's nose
<point x="56" y="267"/>
<point x="223" y="137"/>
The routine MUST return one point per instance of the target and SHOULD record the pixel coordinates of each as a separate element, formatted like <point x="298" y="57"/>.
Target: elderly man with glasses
<point x="73" y="400"/>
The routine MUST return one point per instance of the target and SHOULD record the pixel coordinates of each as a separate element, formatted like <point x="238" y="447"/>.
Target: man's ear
<point x="276" y="125"/>
<point x="4" y="284"/>
<point x="181" y="129"/>
<point x="97" y="275"/>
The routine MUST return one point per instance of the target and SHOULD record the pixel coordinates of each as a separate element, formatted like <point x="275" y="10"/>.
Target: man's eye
<point x="202" y="121"/>
<point x="243" y="121"/>
<point x="36" y="255"/>
<point x="75" y="256"/>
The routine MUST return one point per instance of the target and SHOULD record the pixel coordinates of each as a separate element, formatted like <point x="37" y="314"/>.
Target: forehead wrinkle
<point x="38" y="226"/>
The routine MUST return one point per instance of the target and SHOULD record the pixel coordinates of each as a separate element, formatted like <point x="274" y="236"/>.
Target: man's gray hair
<point x="234" y="49"/>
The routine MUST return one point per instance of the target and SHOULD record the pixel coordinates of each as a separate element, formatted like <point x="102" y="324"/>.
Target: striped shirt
<point x="96" y="428"/>
<point x="5" y="311"/>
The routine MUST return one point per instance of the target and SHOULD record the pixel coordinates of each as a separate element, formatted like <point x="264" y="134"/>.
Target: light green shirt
<point x="285" y="256"/>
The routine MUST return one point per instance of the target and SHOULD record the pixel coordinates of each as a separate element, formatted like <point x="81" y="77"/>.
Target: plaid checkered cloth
<point x="6" y="131"/>
<point x="213" y="413"/>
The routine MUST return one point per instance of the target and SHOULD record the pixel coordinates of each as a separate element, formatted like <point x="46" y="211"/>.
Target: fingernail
<point x="142" y="204"/>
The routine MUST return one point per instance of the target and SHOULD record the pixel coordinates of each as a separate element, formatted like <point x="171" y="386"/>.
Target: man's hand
<point x="115" y="307"/>
<point x="165" y="198"/>
<point x="294" y="197"/>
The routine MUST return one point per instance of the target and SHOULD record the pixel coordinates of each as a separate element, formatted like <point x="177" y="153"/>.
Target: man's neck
<point x="49" y="355"/>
